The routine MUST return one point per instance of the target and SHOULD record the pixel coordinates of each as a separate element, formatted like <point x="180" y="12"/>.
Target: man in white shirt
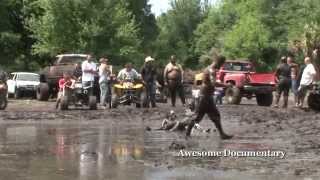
<point x="307" y="79"/>
<point x="89" y="70"/>
<point x="128" y="74"/>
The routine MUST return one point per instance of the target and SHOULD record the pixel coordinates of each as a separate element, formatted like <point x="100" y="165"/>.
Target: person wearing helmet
<point x="149" y="76"/>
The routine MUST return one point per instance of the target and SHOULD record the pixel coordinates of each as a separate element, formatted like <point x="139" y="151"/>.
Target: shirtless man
<point x="207" y="104"/>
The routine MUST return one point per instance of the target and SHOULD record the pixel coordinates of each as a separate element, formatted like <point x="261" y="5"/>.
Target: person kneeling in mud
<point x="206" y="103"/>
<point x="170" y="123"/>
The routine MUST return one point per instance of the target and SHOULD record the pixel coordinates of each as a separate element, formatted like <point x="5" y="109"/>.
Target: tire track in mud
<point x="295" y="131"/>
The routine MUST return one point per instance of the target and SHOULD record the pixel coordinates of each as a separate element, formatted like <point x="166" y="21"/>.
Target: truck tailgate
<point x="262" y="79"/>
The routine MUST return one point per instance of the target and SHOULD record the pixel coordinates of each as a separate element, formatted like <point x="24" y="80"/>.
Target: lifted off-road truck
<point x="50" y="75"/>
<point x="246" y="82"/>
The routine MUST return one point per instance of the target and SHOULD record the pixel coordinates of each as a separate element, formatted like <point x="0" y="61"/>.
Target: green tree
<point x="80" y="26"/>
<point x="176" y="30"/>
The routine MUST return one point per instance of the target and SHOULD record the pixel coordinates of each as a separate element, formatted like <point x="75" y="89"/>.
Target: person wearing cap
<point x="104" y="81"/>
<point x="149" y="76"/>
<point x="283" y="77"/>
<point x="173" y="77"/>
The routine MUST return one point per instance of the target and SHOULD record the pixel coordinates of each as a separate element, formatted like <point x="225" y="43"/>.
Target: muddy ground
<point x="40" y="143"/>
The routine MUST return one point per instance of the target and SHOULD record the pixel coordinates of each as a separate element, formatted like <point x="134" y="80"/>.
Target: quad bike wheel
<point x="314" y="101"/>
<point x="264" y="99"/>
<point x="92" y="102"/>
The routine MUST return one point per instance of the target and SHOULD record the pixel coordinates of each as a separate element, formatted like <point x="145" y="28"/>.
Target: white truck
<point x="22" y="83"/>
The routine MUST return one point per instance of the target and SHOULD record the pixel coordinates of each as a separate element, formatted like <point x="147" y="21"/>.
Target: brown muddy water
<point x="40" y="143"/>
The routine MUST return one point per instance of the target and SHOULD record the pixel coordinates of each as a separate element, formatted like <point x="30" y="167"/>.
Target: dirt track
<point x="38" y="142"/>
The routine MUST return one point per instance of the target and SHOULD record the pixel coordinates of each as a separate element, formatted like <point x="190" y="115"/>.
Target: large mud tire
<point x="43" y="92"/>
<point x="264" y="99"/>
<point x="314" y="101"/>
<point x="3" y="102"/>
<point x="233" y="95"/>
<point x="64" y="104"/>
<point x="92" y="102"/>
<point x="17" y="94"/>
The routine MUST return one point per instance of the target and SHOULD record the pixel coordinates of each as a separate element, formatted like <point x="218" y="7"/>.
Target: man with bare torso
<point x="207" y="104"/>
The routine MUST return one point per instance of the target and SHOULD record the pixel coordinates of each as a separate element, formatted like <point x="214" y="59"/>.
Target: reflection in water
<point x="66" y="153"/>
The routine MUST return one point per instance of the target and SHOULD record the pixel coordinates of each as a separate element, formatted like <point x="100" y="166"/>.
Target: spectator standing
<point x="104" y="82"/>
<point x="89" y="70"/>
<point x="294" y="78"/>
<point x="173" y="77"/>
<point x="149" y="76"/>
<point x="307" y="79"/>
<point x="283" y="75"/>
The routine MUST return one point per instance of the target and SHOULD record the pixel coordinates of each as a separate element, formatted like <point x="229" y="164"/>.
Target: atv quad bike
<point x="314" y="97"/>
<point x="78" y="96"/>
<point x="127" y="93"/>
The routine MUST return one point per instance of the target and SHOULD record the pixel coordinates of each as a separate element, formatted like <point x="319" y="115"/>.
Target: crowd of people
<point x="289" y="75"/>
<point x="148" y="75"/>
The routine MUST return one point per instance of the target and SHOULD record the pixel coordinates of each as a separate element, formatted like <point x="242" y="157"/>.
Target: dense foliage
<point x="34" y="31"/>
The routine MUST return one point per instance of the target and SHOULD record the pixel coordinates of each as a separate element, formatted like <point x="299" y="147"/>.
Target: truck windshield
<point x="230" y="66"/>
<point x="28" y="77"/>
<point x="72" y="60"/>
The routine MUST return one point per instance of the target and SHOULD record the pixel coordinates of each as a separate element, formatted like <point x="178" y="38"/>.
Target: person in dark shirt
<point x="149" y="76"/>
<point x="77" y="72"/>
<point x="283" y="75"/>
<point x="207" y="104"/>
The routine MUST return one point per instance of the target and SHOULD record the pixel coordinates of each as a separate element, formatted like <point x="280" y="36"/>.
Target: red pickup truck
<point x="246" y="82"/>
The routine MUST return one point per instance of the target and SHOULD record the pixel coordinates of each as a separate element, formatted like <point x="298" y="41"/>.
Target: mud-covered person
<point x="207" y="104"/>
<point x="283" y="78"/>
<point x="89" y="71"/>
<point x="65" y="82"/>
<point x="173" y="78"/>
<point x="308" y="77"/>
<point x="294" y="78"/>
<point x="149" y="77"/>
<point x="104" y="81"/>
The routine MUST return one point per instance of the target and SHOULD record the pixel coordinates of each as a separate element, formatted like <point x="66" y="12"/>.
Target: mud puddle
<point x="40" y="143"/>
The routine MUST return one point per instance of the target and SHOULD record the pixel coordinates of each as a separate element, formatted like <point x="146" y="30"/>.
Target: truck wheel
<point x="3" y="102"/>
<point x="64" y="104"/>
<point x="138" y="105"/>
<point x="92" y="102"/>
<point x="314" y="101"/>
<point x="233" y="95"/>
<point x="114" y="101"/>
<point x="43" y="92"/>
<point x="264" y="99"/>
<point x="17" y="94"/>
